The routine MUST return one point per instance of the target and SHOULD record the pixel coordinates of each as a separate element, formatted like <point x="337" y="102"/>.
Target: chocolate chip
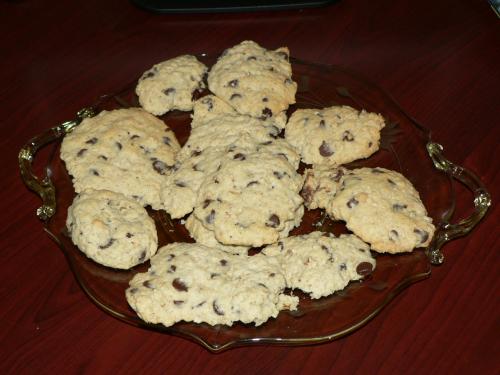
<point x="81" y="152"/>
<point x="94" y="172"/>
<point x="178" y="302"/>
<point x="347" y="136"/>
<point x="167" y="141"/>
<point x="233" y="83"/>
<point x="103" y="157"/>
<point x="223" y="262"/>
<point x="218" y="310"/>
<point x="282" y="54"/>
<point x="364" y="268"/>
<point x="170" y="257"/>
<point x="169" y="91"/>
<point x="119" y="145"/>
<point x="281" y="245"/>
<point x="370" y="144"/>
<point x="214" y="275"/>
<point x="180" y="184"/>
<point x="209" y="103"/>
<point x="273" y="221"/>
<point x="352" y="202"/>
<point x="200" y="304"/>
<point x="179" y="285"/>
<point x="337" y="176"/>
<point x="325" y="150"/>
<point x="343" y="267"/>
<point x="377" y="171"/>
<point x="424" y="235"/>
<point x="195" y="153"/>
<point x="210" y="217"/>
<point x="161" y="167"/>
<point x="253" y="183"/>
<point x="172" y="269"/>
<point x="129" y="235"/>
<point x="272" y="274"/>
<point x="142" y="256"/>
<point x="133" y="290"/>
<point x="148" y="284"/>
<point x="267" y="143"/>
<point x="206" y="203"/>
<point x="265" y="100"/>
<point x="251" y="58"/>
<point x="279" y="175"/>
<point x="92" y="141"/>
<point x="393" y="235"/>
<point x="391" y="182"/>
<point x="307" y="193"/>
<point x="148" y="75"/>
<point x="108" y="244"/>
<point x="288" y="81"/>
<point x="239" y="156"/>
<point x="266" y="113"/>
<point x="322" y="124"/>
<point x="271" y="69"/>
<point x="399" y="207"/>
<point x="135" y="136"/>
<point x="235" y="96"/>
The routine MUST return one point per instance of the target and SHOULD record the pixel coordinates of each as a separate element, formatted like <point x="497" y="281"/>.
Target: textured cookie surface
<point x="170" y="85"/>
<point x="128" y="151"/>
<point x="251" y="200"/>
<point x="255" y="81"/>
<point x="206" y="237"/>
<point x="334" y="135"/>
<point x="383" y="208"/>
<point x="320" y="264"/>
<point x="320" y="186"/>
<point x="111" y="229"/>
<point x="194" y="283"/>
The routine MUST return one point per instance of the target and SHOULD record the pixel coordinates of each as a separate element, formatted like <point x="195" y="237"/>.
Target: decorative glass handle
<point x="44" y="186"/>
<point x="482" y="202"/>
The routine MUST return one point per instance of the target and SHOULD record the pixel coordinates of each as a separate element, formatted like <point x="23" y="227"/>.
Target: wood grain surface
<point x="439" y="59"/>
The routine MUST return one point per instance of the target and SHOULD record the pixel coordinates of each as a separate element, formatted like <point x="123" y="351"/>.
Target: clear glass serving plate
<point x="405" y="147"/>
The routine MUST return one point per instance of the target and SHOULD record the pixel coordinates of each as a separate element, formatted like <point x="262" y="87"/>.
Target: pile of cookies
<point x="235" y="186"/>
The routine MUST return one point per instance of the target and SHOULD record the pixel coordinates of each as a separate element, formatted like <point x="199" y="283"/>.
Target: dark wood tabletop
<point x="439" y="59"/>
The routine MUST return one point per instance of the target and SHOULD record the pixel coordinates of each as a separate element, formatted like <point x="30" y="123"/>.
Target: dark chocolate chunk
<point x="343" y="267"/>
<point x="169" y="91"/>
<point x="180" y="184"/>
<point x="307" y="193"/>
<point x="108" y="244"/>
<point x="347" y="136"/>
<point x="161" y="167"/>
<point x="325" y="150"/>
<point x="92" y="141"/>
<point x="239" y="156"/>
<point x="94" y="172"/>
<point x="364" y="268"/>
<point x="233" y="83"/>
<point x="148" y="284"/>
<point x="81" y="152"/>
<point x="179" y="285"/>
<point x="252" y="183"/>
<point x="393" y="235"/>
<point x="223" y="262"/>
<point x="218" y="310"/>
<point x="235" y="96"/>
<point x="251" y="58"/>
<point x="196" y="153"/>
<point x="178" y="302"/>
<point x="391" y="182"/>
<point x="424" y="235"/>
<point x="103" y="157"/>
<point x="399" y="207"/>
<point x="206" y="203"/>
<point x="129" y="235"/>
<point x="210" y="217"/>
<point x="172" y="269"/>
<point x="167" y="140"/>
<point x="273" y="221"/>
<point x="142" y="256"/>
<point x="322" y="124"/>
<point x="119" y="145"/>
<point x="265" y="100"/>
<point x="352" y="202"/>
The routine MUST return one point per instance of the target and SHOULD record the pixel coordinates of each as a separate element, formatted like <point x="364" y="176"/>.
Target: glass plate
<point x="405" y="147"/>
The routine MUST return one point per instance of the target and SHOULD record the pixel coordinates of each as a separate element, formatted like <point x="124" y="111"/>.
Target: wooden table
<point x="439" y="59"/>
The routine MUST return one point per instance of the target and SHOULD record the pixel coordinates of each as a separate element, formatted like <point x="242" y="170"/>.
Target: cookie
<point x="251" y="200"/>
<point x="111" y="229"/>
<point x="254" y="81"/>
<point x="320" y="185"/>
<point x="382" y="208"/>
<point x="195" y="283"/>
<point x="170" y="85"/>
<point x="334" y="135"/>
<point x="206" y="237"/>
<point x="128" y="151"/>
<point x="320" y="263"/>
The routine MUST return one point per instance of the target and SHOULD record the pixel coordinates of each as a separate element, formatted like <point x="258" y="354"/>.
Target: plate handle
<point x="482" y="201"/>
<point x="44" y="186"/>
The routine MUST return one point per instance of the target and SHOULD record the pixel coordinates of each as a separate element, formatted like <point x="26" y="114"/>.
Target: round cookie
<point x="170" y="85"/>
<point x="254" y="81"/>
<point x="251" y="200"/>
<point x="382" y="208"/>
<point x="111" y="229"/>
<point x="128" y="151"/>
<point x="334" y="135"/>
<point x="320" y="263"/>
<point x="195" y="283"/>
